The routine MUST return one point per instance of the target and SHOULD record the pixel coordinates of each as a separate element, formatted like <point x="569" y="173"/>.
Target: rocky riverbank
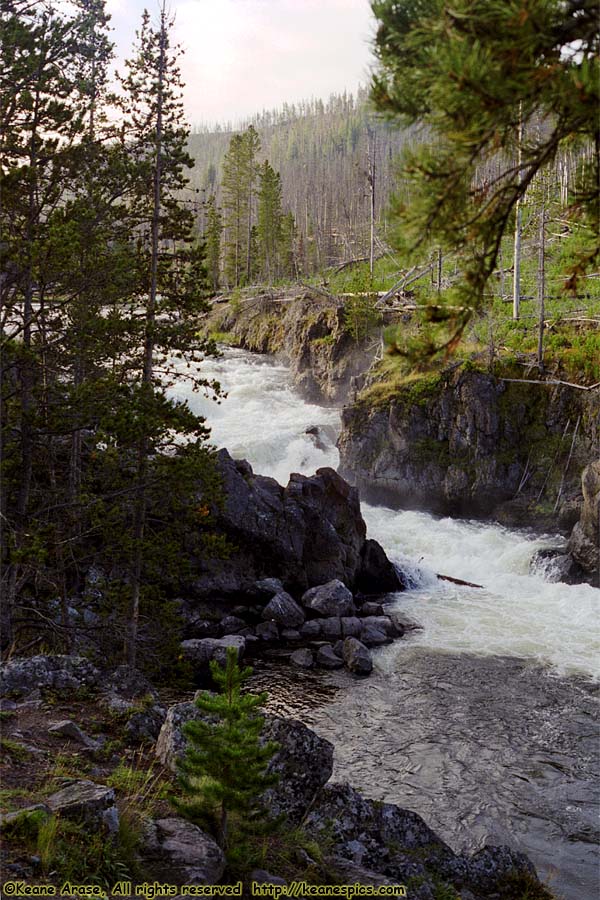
<point x="339" y="836"/>
<point x="309" y="331"/>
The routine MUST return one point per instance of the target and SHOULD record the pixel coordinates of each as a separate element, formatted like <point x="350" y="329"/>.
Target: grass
<point x="13" y="750"/>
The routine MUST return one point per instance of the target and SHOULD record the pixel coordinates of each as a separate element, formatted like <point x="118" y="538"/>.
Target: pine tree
<point x="269" y="225"/>
<point x="238" y="188"/>
<point x="212" y="237"/>
<point x="472" y="73"/>
<point x="225" y="765"/>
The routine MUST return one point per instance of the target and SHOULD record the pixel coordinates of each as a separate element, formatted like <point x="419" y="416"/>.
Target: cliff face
<point x="584" y="544"/>
<point x="309" y="332"/>
<point x="468" y="443"/>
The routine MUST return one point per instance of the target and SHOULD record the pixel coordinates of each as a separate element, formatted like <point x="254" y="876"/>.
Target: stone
<point x="331" y="599"/>
<point x="283" y="609"/>
<point x="129" y="683"/>
<point x="268" y="586"/>
<point x="373" y="637"/>
<point x="303" y="658"/>
<point x="327" y="659"/>
<point x="378" y="575"/>
<point x="171" y="742"/>
<point x="259" y="876"/>
<point x="370" y="608"/>
<point x="311" y="629"/>
<point x="357" y="657"/>
<point x="144" y="725"/>
<point x="182" y="852"/>
<point x="86" y="802"/>
<point x="22" y="676"/>
<point x="69" y="729"/>
<point x="201" y="651"/>
<point x="7" y="819"/>
<point x="584" y="543"/>
<point x="290" y="635"/>
<point x="381" y="623"/>
<point x="304" y="763"/>
<point x="331" y="628"/>
<point x="232" y="625"/>
<point x="492" y="864"/>
<point x="351" y="626"/>
<point x="267" y="631"/>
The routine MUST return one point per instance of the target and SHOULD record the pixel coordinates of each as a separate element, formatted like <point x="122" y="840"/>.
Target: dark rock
<point x="145" y="724"/>
<point x="267" y="631"/>
<point x="259" y="876"/>
<point x="283" y="609"/>
<point x="268" y="587"/>
<point x="373" y="637"/>
<point x="304" y="763"/>
<point x="311" y="629"/>
<point x="290" y="635"/>
<point x="327" y="658"/>
<point x="232" y="625"/>
<point x="331" y="628"/>
<point x="201" y="651"/>
<point x="22" y="676"/>
<point x="196" y="627"/>
<point x="88" y="803"/>
<point x="381" y="623"/>
<point x="351" y="626"/>
<point x="172" y="742"/>
<point x="357" y="657"/>
<point x="331" y="599"/>
<point x="182" y="852"/>
<point x="302" y="658"/>
<point x="69" y="729"/>
<point x="491" y="865"/>
<point x="584" y="543"/>
<point x="370" y="608"/>
<point x="377" y="574"/>
<point x="338" y="648"/>
<point x="129" y="683"/>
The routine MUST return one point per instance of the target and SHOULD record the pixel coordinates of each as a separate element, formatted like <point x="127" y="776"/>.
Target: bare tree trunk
<point x="371" y="180"/>
<point x="541" y="285"/>
<point x="517" y="241"/>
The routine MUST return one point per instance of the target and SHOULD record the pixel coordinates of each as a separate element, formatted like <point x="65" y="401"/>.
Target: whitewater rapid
<point x="515" y="613"/>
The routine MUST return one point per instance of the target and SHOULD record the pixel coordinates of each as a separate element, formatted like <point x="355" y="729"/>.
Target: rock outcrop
<point x="470" y="443"/>
<point x="584" y="544"/>
<point x="305" y="534"/>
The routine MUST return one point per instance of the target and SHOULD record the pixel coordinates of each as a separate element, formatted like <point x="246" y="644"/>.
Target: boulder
<point x="69" y="729"/>
<point x="259" y="876"/>
<point x="128" y="683"/>
<point x="371" y="608"/>
<point x="200" y="652"/>
<point x="381" y="623"/>
<point x="22" y="676"/>
<point x="283" y="609"/>
<point x="267" y="631"/>
<point x="584" y="543"/>
<point x="303" y="658"/>
<point x="88" y="803"/>
<point x="311" y="630"/>
<point x="172" y="742"/>
<point x="304" y="534"/>
<point x="331" y="599"/>
<point x="304" y="763"/>
<point x="232" y="625"/>
<point x="357" y="657"/>
<point x="351" y="626"/>
<point x="290" y="635"/>
<point x="327" y="659"/>
<point x="331" y="628"/>
<point x="181" y="852"/>
<point x="377" y="574"/>
<point x="373" y="637"/>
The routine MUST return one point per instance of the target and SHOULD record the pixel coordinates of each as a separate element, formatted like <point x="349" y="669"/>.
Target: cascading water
<point x="458" y="720"/>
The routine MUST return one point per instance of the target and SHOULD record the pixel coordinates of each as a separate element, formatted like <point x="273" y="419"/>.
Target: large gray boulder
<point x="283" y="609"/>
<point x="23" y="675"/>
<point x="200" y="652"/>
<point x="88" y="803"/>
<point x="331" y="599"/>
<point x="172" y="742"/>
<point x="306" y="533"/>
<point x="181" y="852"/>
<point x="304" y="763"/>
<point x="357" y="657"/>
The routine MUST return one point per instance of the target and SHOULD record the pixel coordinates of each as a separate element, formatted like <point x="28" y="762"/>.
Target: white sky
<point x="243" y="56"/>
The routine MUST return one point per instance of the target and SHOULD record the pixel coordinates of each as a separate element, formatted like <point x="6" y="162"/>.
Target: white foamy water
<point x="516" y="613"/>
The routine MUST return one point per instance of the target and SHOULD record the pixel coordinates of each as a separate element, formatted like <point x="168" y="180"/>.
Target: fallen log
<point x="459" y="581"/>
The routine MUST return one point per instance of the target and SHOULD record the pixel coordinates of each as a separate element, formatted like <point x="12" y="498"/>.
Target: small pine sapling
<point x="225" y="764"/>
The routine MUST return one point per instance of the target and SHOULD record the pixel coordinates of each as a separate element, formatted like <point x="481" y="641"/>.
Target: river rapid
<point x="484" y="718"/>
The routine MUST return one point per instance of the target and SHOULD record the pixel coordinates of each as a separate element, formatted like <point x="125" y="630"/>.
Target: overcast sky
<point x="243" y="56"/>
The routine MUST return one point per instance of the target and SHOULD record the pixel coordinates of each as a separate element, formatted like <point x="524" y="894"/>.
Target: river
<point x="484" y="718"/>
